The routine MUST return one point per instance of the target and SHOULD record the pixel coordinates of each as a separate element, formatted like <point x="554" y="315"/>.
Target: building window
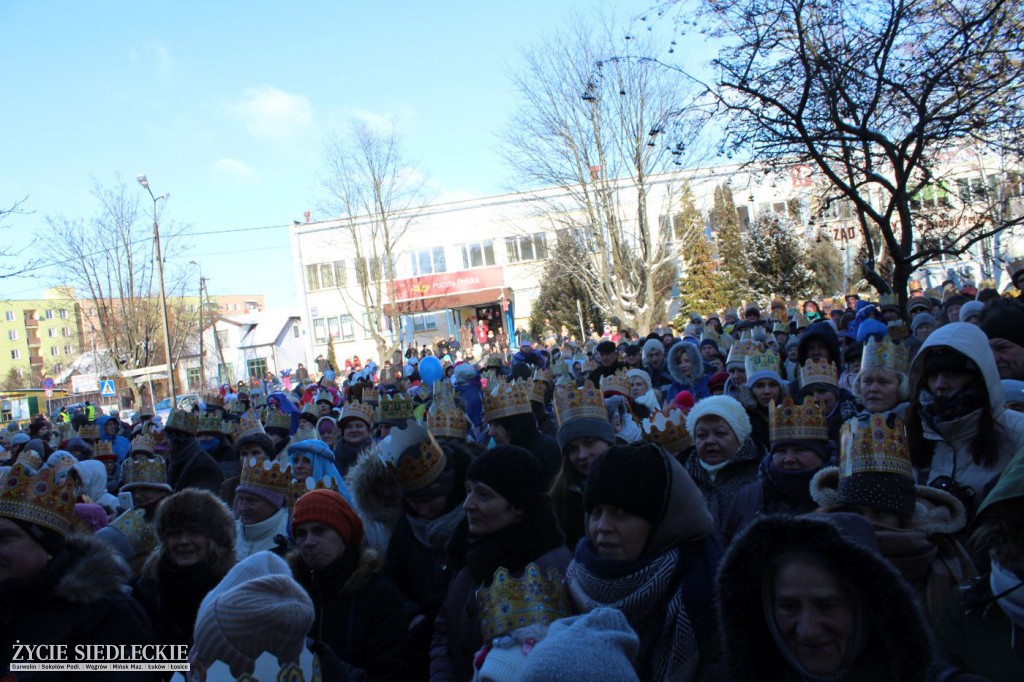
<point x="312" y="277"/>
<point x="68" y="350"/>
<point x="320" y="330"/>
<point x="15" y="355"/>
<point x="222" y="339"/>
<point x="63" y="314"/>
<point x="427" y="261"/>
<point x="971" y="190"/>
<point x="423" y="322"/>
<point x="295" y="330"/>
<point x="930" y="196"/>
<point x="226" y="373"/>
<point x="348" y="327"/>
<point x="340" y="275"/>
<point x="477" y="254"/>
<point x="9" y="315"/>
<point x="49" y="314"/>
<point x="54" y="350"/>
<point x="327" y="275"/>
<point x="526" y="248"/>
<point x="193" y="377"/>
<point x="51" y="332"/>
<point x="66" y="331"/>
<point x="333" y="328"/>
<point x="257" y="368"/>
<point x="12" y="335"/>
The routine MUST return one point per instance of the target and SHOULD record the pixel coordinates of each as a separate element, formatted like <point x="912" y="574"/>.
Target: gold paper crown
<point x="757" y="362"/>
<point x="510" y="603"/>
<point x="266" y="475"/>
<point x="397" y="407"/>
<point x="36" y="497"/>
<point x="213" y="399"/>
<point x="414" y="467"/>
<point x="183" y="421"/>
<point x="573" y="403"/>
<point x="248" y="425"/>
<point x="790" y="421"/>
<point x="710" y="335"/>
<point x="814" y="372"/>
<point x="359" y="410"/>
<point x="311" y="409"/>
<point x="145" y="471"/>
<point x="300" y="488"/>
<point x="885" y="354"/>
<point x="62" y="463"/>
<point x="209" y="423"/>
<point x="30" y="459"/>
<point x="589" y="366"/>
<point x="257" y="401"/>
<point x="1015" y="266"/>
<point x="140" y="533"/>
<point x="103" y="448"/>
<point x="506" y="400"/>
<point x="278" y="419"/>
<point x="542" y="381"/>
<point x="801" y="321"/>
<point x="888" y="300"/>
<point x="144" y="442"/>
<point x="739" y="351"/>
<point x="872" y="446"/>
<point x="89" y="432"/>
<point x="897" y="330"/>
<point x="668" y="429"/>
<point x="235" y="406"/>
<point x="371" y="395"/>
<point x="444" y="418"/>
<point x="615" y="384"/>
<point x="780" y="328"/>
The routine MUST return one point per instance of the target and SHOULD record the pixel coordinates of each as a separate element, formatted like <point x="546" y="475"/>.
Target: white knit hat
<point x="257" y="607"/>
<point x="726" y="408"/>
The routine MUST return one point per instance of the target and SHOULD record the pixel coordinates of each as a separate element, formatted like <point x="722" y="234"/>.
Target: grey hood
<point x="696" y="363"/>
<point x="970" y="341"/>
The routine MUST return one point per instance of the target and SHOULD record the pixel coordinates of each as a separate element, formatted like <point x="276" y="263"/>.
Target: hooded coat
<point x="94" y="482"/>
<point x="378" y="513"/>
<point x="122" y="446"/>
<point x="952" y="455"/>
<point x="80" y="598"/>
<point x="893" y="644"/>
<point x="696" y="382"/>
<point x="193" y="467"/>
<point x="686" y="537"/>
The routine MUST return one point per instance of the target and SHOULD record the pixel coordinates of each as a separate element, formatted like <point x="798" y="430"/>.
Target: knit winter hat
<point x="513" y="472"/>
<point x="20" y="438"/>
<point x="261" y="439"/>
<point x="923" y="318"/>
<point x="330" y="509"/>
<point x="465" y="373"/>
<point x="198" y="510"/>
<point x="650" y="345"/>
<point x="632" y="477"/>
<point x="599" y="646"/>
<point x="724" y="407"/>
<point x="971" y="308"/>
<point x="256" y="608"/>
<point x="717" y="380"/>
<point x="1007" y="324"/>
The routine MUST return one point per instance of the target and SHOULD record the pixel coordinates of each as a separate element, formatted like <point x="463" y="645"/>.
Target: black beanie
<point x="633" y="478"/>
<point x="1005" y="322"/>
<point x="585" y="427"/>
<point x="887" y="491"/>
<point x="943" y="358"/>
<point x="815" y="445"/>
<point x="513" y="472"/>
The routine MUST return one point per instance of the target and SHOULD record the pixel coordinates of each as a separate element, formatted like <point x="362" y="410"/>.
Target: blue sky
<point x="225" y="105"/>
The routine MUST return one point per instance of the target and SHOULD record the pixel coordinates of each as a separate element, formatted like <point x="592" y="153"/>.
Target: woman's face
<point x="766" y="392"/>
<point x="186" y="548"/>
<point x="792" y="457"/>
<point x="583" y="451"/>
<point x="945" y="382"/>
<point x="302" y="468"/>
<point x="683" y="363"/>
<point x="110" y="427"/>
<point x="814" y="614"/>
<point x="328" y="433"/>
<point x="616" y="533"/>
<point x="428" y="508"/>
<point x="21" y="557"/>
<point x="319" y="544"/>
<point x="356" y="431"/>
<point x="498" y="433"/>
<point x="879" y="389"/>
<point x="715" y="440"/>
<point x="487" y="511"/>
<point x="637" y="387"/>
<point x="253" y="508"/>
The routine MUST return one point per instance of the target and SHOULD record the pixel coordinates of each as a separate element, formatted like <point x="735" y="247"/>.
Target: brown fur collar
<point x="368" y="470"/>
<point x="95" y="573"/>
<point x="370" y="564"/>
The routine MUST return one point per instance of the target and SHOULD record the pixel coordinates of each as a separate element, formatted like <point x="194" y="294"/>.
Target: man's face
<point x="817" y="350"/>
<point x="656" y="358"/>
<point x="1009" y="358"/>
<point x="608" y="359"/>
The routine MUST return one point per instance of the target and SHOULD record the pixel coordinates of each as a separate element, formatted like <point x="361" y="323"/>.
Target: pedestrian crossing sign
<point x="107" y="388"/>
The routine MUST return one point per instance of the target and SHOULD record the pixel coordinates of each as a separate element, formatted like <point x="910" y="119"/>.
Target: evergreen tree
<point x="777" y="260"/>
<point x="732" y="252"/>
<point x="704" y="286"/>
<point x="560" y="289"/>
<point x="826" y="266"/>
<point x="331" y="358"/>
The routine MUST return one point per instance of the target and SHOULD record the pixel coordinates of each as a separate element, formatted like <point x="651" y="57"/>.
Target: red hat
<point x="717" y="380"/>
<point x="684" y="401"/>
<point x="330" y="509"/>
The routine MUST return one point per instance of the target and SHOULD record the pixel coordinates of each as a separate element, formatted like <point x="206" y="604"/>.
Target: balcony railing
<point x="35" y="359"/>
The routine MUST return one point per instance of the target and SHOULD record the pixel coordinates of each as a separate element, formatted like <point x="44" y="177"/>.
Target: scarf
<point x="434" y="533"/>
<point x="954" y="405"/>
<point x="792" y="488"/>
<point x="648" y="592"/>
<point x="1011" y="587"/>
<point x="712" y="469"/>
<point x="512" y="547"/>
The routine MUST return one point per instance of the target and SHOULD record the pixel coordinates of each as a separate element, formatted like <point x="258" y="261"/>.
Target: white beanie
<point x="649" y="345"/>
<point x="726" y="408"/>
<point x="257" y="607"/>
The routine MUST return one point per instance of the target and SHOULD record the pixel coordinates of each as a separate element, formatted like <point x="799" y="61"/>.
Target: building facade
<point x="38" y="337"/>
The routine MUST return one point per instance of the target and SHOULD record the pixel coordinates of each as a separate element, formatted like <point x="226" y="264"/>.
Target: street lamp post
<point x="202" y="350"/>
<point x="163" y="297"/>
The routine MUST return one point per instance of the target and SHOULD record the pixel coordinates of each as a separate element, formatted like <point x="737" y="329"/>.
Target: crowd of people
<point x="805" y="492"/>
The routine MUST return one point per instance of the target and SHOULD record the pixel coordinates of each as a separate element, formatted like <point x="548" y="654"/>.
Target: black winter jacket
<point x="194" y="468"/>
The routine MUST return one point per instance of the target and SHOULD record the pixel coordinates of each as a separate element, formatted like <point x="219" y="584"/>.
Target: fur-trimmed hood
<point x="95" y="573"/>
<point x="696" y="363"/>
<point x="369" y="470"/>
<point x="936" y="513"/>
<point x="897" y="645"/>
<point x="370" y="564"/>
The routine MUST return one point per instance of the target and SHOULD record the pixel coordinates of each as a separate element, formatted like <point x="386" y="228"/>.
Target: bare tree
<point x="24" y="264"/>
<point x="368" y="181"/>
<point x="888" y="100"/>
<point x="596" y="130"/>
<point x="110" y="273"/>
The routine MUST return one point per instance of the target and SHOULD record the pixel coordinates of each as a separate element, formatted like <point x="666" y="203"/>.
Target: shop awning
<point x="449" y="302"/>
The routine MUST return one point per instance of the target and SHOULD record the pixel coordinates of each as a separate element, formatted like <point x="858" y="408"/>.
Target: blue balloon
<point x="431" y="370"/>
